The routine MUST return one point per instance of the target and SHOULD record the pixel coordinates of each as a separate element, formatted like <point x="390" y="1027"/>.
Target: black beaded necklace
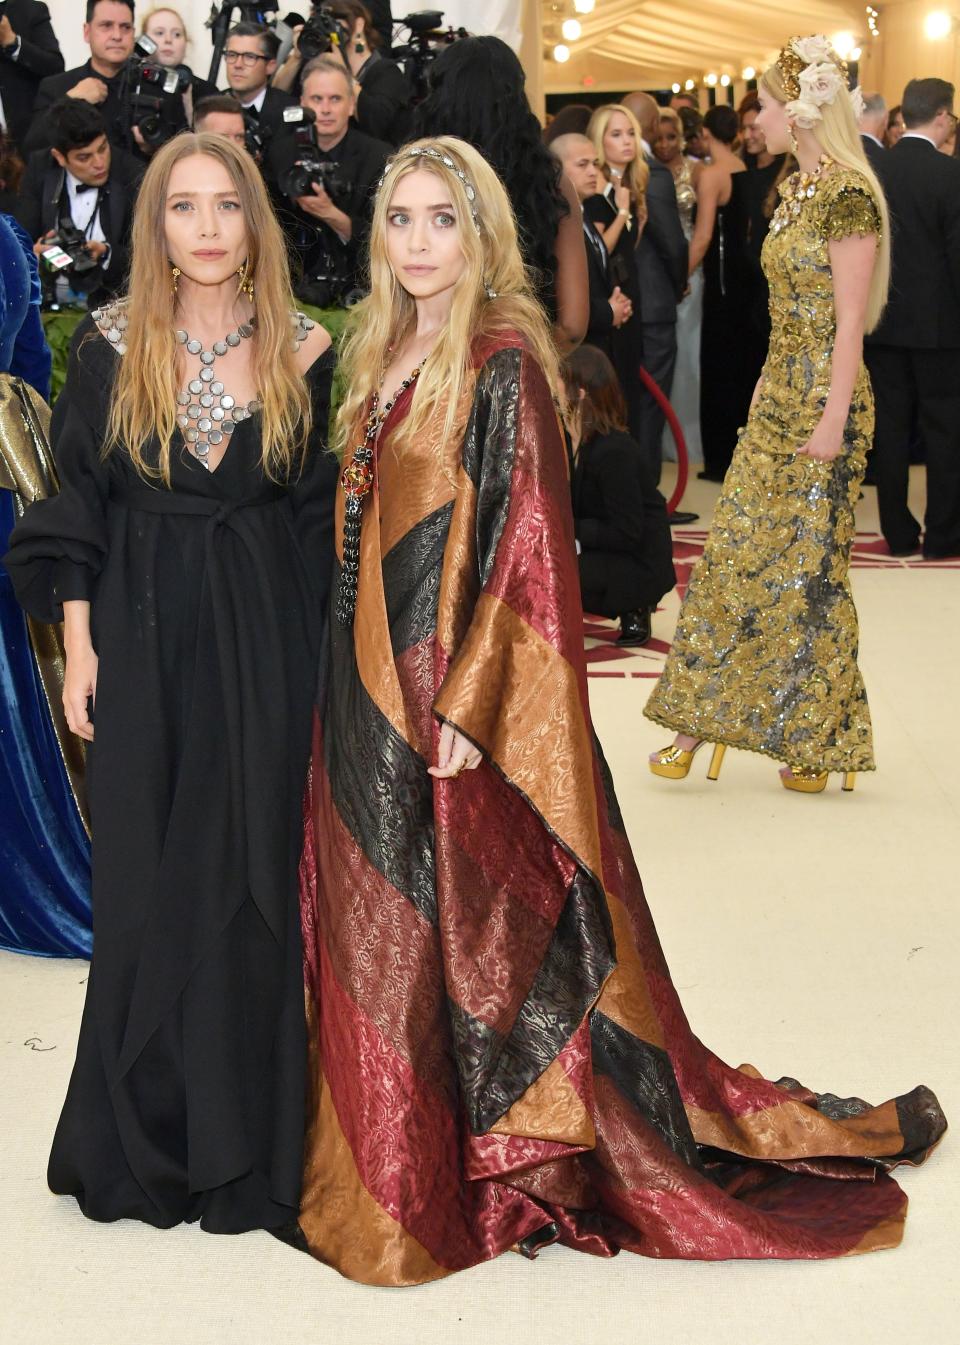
<point x="356" y="482"/>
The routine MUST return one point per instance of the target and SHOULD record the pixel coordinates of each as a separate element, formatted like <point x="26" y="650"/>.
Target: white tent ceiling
<point x="654" y="42"/>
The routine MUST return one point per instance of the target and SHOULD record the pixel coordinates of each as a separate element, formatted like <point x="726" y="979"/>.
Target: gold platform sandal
<point x="805" y="781"/>
<point x="673" y="763"/>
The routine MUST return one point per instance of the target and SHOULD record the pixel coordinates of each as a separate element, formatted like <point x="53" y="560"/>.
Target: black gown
<point x="727" y="367"/>
<point x="186" y="1100"/>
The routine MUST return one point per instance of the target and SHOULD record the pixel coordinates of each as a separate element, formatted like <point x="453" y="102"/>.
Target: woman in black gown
<point x="185" y="551"/>
<point x="727" y="373"/>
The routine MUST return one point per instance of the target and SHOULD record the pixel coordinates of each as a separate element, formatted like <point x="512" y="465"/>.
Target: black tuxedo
<point x="873" y="151"/>
<point x="44" y="201"/>
<point x="115" y="108"/>
<point x="270" y="116"/>
<point x="39" y="56"/>
<point x="914" y="354"/>
<point x="662" y="256"/>
<point x="600" y="328"/>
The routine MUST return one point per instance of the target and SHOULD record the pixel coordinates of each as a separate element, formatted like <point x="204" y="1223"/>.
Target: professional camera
<point x="255" y="134"/>
<point x="299" y="178"/>
<point x="156" y="99"/>
<point x="65" y="254"/>
<point x="426" y="38"/>
<point x="321" y="33"/>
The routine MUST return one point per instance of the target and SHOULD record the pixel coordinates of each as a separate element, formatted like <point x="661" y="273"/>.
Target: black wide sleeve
<point x="314" y="494"/>
<point x="28" y="210"/>
<point x="383" y="103"/>
<point x="58" y="549"/>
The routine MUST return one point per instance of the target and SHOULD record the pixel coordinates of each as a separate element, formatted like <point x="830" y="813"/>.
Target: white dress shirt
<point x="82" y="207"/>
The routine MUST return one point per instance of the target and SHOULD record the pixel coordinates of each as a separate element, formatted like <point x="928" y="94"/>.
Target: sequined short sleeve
<point x="850" y="209"/>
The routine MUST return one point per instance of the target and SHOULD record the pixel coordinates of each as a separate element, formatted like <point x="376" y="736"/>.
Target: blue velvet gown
<point x="44" y="850"/>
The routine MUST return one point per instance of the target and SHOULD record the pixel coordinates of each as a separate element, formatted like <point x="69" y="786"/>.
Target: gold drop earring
<point x="246" y="280"/>
<point x="174" y="277"/>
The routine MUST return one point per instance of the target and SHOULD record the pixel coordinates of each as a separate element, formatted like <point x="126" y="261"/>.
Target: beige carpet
<point x="812" y="936"/>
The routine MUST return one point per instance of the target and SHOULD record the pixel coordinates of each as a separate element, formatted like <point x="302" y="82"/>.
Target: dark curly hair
<point x="477" y="93"/>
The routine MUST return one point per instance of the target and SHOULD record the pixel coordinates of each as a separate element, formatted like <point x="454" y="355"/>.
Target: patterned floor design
<point x="606" y="659"/>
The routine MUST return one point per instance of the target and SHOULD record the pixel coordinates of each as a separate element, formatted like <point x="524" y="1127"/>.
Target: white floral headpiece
<point x="813" y="75"/>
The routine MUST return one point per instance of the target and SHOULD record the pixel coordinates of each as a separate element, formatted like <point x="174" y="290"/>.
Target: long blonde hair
<point x="145" y="392"/>
<point x="493" y="296"/>
<point x="636" y="175"/>
<point x="838" y="135"/>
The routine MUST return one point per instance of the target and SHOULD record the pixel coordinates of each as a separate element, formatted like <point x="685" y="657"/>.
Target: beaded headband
<point x="813" y="74"/>
<point x="428" y="152"/>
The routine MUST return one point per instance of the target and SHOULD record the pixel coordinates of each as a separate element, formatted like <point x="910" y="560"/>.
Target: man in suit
<point x="662" y="265"/>
<point x="914" y="354"/>
<point x="609" y="307"/>
<point x="329" y="228"/>
<point x="84" y="181"/>
<point x="29" y="52"/>
<point x="250" y="58"/>
<point x="102" y="80"/>
<point x="873" y="126"/>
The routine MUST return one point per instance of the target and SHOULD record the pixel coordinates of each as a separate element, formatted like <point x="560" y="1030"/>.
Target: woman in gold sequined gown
<point x="765" y="652"/>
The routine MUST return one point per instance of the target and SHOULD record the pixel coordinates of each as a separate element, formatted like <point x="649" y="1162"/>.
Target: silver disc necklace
<point x="206" y="412"/>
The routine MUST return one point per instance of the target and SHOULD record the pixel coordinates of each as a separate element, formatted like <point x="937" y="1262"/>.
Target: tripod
<point x="219" y="24"/>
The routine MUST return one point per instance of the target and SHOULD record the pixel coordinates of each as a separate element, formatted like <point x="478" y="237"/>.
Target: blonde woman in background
<point x="669" y="148"/>
<point x="187" y="554"/>
<point x="765" y="652"/>
<point x="619" y="213"/>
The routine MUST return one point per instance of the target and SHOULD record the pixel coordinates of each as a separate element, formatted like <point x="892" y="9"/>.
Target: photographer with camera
<point x="29" y="52"/>
<point x="76" y="200"/>
<point x="345" y="28"/>
<point x="102" y="80"/>
<point x="250" y="57"/>
<point x="329" y="171"/>
<point x="166" y="32"/>
<point x="221" y="114"/>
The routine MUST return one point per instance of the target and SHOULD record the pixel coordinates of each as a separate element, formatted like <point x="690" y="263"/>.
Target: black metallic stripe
<point x="644" y="1075"/>
<point x="412" y="571"/>
<point x="379" y="785"/>
<point x="489" y="449"/>
<point x="496" y="1071"/>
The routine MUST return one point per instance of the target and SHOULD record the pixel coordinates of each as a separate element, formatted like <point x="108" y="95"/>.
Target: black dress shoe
<point x="717" y="477"/>
<point x="679" y="517"/>
<point x="903" y="551"/>
<point x="634" y="627"/>
<point x="942" y="555"/>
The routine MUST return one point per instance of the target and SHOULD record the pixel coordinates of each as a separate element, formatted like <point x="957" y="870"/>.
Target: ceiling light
<point x="583" y="6"/>
<point x="725" y="81"/>
<point x="749" y="72"/>
<point x="843" y="44"/>
<point x="675" y="88"/>
<point x="937" y="25"/>
<point x="690" y="85"/>
<point x="561" y="53"/>
<point x="571" y="29"/>
<point x="710" y="80"/>
<point x="856" y="53"/>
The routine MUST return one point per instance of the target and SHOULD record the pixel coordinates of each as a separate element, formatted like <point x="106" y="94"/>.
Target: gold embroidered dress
<point x="765" y="651"/>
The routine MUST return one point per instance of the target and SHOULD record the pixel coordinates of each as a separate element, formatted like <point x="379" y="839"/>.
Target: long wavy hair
<point x="477" y="94"/>
<point x="387" y="316"/>
<point x="838" y="135"/>
<point x="148" y="379"/>
<point x="636" y="175"/>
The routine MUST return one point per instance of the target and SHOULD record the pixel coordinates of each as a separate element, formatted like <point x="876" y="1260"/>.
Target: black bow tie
<point x="252" y="111"/>
<point x="85" y="186"/>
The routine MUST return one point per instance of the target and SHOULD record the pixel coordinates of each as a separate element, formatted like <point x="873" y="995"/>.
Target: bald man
<point x="662" y="270"/>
